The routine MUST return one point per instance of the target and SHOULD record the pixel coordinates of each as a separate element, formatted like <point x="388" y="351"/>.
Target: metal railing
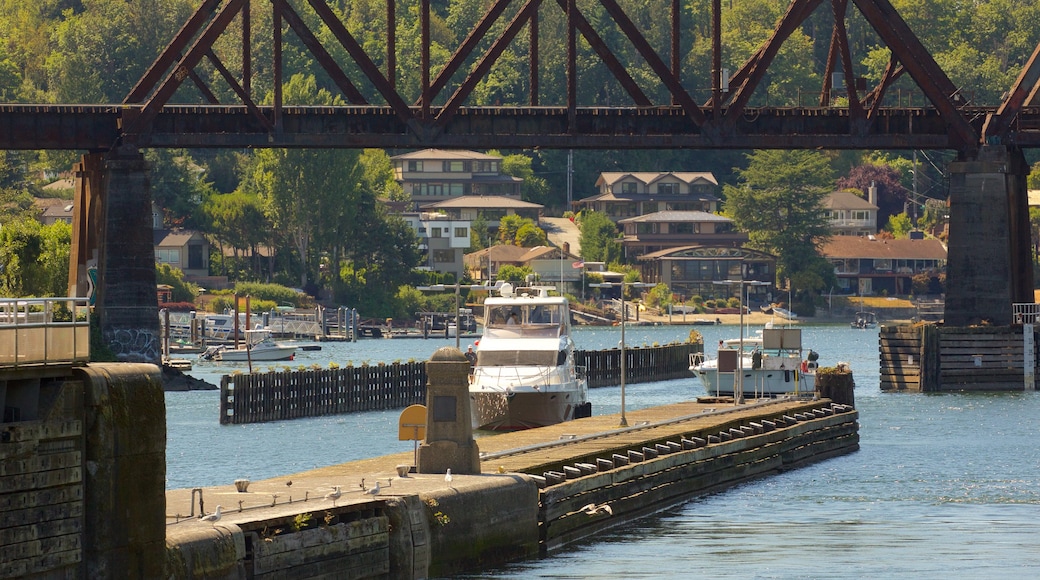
<point x="1025" y="313"/>
<point x="44" y="331"/>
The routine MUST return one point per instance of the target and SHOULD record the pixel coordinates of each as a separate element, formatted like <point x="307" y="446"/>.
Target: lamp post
<point x="624" y="315"/>
<point x="738" y="384"/>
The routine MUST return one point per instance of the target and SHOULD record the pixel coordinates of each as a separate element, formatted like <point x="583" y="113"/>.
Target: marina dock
<point x="537" y="491"/>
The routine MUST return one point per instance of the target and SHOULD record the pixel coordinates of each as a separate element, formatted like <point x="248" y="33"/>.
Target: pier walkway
<point x="536" y="492"/>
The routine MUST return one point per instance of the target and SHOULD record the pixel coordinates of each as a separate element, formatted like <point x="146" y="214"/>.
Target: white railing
<point x="44" y="331"/>
<point x="1025" y="313"/>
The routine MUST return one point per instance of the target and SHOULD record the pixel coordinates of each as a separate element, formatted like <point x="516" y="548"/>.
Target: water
<point x="942" y="485"/>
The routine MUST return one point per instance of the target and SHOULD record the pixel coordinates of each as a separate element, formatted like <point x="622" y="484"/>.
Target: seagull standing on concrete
<point x="595" y="510"/>
<point x="447" y="476"/>
<point x="334" y="495"/>
<point x="213" y="517"/>
<point x="374" y="490"/>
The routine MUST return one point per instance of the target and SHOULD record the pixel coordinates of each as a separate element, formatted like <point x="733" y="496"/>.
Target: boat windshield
<point x="520" y="358"/>
<point x="526" y="315"/>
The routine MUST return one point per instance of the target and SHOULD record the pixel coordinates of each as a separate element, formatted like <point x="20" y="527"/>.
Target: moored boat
<point x="771" y="364"/>
<point x="865" y="320"/>
<point x="265" y="349"/>
<point x="525" y="375"/>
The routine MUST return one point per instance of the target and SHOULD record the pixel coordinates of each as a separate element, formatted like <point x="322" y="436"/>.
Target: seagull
<point x="333" y="495"/>
<point x="595" y="510"/>
<point x="288" y="483"/>
<point x="374" y="490"/>
<point x="213" y="517"/>
<point x="447" y="476"/>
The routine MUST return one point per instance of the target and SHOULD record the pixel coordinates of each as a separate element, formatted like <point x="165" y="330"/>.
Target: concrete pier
<point x="530" y="497"/>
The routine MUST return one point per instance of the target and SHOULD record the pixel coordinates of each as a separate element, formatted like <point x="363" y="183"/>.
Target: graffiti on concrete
<point x="132" y="345"/>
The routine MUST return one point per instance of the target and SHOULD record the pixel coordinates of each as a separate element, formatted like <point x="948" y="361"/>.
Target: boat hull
<point x="758" y="383"/>
<point x="498" y="411"/>
<point x="267" y="354"/>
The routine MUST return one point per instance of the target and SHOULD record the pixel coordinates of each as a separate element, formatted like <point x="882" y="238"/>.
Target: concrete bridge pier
<point x="113" y="255"/>
<point x="989" y="264"/>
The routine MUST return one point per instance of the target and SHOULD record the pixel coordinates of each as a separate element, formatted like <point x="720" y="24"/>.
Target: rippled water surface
<point x="943" y="485"/>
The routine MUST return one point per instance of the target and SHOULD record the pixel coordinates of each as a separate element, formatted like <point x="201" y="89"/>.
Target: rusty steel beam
<point x="998" y="127"/>
<point x="323" y="57"/>
<point x="361" y="59"/>
<point x="482" y="67"/>
<point x="855" y="107"/>
<point x="239" y="90"/>
<point x="467" y="47"/>
<point x="931" y="79"/>
<point x="172" y="53"/>
<point x="752" y="73"/>
<point x="187" y="62"/>
<point x="603" y="51"/>
<point x="654" y="60"/>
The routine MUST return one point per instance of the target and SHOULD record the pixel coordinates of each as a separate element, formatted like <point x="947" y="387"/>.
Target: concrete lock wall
<point x="83" y="470"/>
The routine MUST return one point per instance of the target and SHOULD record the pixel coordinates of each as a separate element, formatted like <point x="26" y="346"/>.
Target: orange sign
<point x="412" y="424"/>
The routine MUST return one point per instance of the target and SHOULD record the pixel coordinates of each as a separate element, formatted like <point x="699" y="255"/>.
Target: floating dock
<point x="538" y="490"/>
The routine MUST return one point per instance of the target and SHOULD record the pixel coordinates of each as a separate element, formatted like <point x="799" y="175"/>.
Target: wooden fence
<point x="294" y="394"/>
<point x="931" y="358"/>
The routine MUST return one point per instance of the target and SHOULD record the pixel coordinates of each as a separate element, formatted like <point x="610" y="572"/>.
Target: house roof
<point x="58" y="210"/>
<point x="677" y="216"/>
<point x="618" y="196"/>
<point x="505" y="253"/>
<point x="482" y="202"/>
<point x="61" y="184"/>
<point x="173" y="238"/>
<point x="708" y="250"/>
<point x="880" y="249"/>
<point x="445" y="154"/>
<point x="648" y="177"/>
<point x="846" y="200"/>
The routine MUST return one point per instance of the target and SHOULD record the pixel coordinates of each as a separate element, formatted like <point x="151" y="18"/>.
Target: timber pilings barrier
<point x="931" y="358"/>
<point x="295" y="394"/>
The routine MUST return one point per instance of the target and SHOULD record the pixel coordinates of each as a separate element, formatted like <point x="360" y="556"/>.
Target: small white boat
<point x="865" y="320"/>
<point x="525" y="375"/>
<point x="767" y="365"/>
<point x="784" y="313"/>
<point x="264" y="350"/>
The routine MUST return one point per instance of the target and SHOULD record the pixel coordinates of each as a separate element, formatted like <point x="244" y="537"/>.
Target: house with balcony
<point x="706" y="270"/>
<point x="661" y="230"/>
<point x="850" y="214"/>
<point x="433" y="175"/>
<point x="868" y="265"/>
<point x="623" y="195"/>
<point x="492" y="208"/>
<point x="443" y="240"/>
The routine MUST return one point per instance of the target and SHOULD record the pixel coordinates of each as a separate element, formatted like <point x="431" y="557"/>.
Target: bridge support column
<point x="127" y="306"/>
<point x="989" y="265"/>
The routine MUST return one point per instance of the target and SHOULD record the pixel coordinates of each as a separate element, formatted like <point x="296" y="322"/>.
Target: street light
<point x="624" y="315"/>
<point x="738" y="384"/>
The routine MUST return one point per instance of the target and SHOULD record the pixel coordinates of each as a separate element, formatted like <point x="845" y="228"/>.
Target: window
<point x="443" y="256"/>
<point x="454" y="166"/>
<point x="435" y="232"/>
<point x="461" y="232"/>
<point x="168" y="255"/>
<point x="629" y="187"/>
<point x="668" y="188"/>
<point x="415" y="166"/>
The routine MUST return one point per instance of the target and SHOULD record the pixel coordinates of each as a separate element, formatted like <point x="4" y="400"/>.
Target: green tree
<point x="183" y="291"/>
<point x="533" y="189"/>
<point x="34" y="258"/>
<point x="512" y="273"/>
<point x="520" y="231"/>
<point x="899" y="225"/>
<point x="598" y="237"/>
<point x="778" y="202"/>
